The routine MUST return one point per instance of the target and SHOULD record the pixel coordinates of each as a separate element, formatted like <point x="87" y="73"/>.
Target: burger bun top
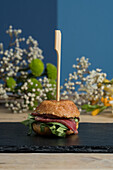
<point x="62" y="108"/>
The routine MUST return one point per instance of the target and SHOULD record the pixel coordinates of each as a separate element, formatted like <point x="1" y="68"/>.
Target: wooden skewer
<point x="58" y="50"/>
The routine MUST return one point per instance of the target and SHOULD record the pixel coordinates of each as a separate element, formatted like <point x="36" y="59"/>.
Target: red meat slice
<point x="69" y="123"/>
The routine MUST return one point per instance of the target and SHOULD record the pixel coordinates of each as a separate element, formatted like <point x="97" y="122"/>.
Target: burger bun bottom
<point x="47" y="131"/>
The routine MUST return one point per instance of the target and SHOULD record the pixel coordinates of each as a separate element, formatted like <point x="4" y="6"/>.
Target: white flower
<point x="26" y="88"/>
<point x="29" y="80"/>
<point x="79" y="71"/>
<point x="37" y="97"/>
<point x="33" y="90"/>
<point x="77" y="59"/>
<point x="40" y="80"/>
<point x="98" y="70"/>
<point x="1" y="52"/>
<point x="70" y="74"/>
<point x="32" y="99"/>
<point x="27" y="101"/>
<point x="1" y="45"/>
<point x="61" y="87"/>
<point x="2" y="70"/>
<point x="78" y="82"/>
<point x="77" y="66"/>
<point x="29" y="94"/>
<point x="74" y="66"/>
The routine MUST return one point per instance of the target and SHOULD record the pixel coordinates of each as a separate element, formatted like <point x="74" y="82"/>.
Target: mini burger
<point x="51" y="117"/>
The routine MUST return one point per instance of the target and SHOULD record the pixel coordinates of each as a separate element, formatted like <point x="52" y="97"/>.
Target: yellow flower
<point x="99" y="84"/>
<point x="102" y="99"/>
<point x="106" y="101"/>
<point x="95" y="112"/>
<point x="106" y="81"/>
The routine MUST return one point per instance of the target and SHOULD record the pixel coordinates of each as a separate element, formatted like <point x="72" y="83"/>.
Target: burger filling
<point x="58" y="126"/>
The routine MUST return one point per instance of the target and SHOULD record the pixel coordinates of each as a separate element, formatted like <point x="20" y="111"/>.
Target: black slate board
<point x="92" y="138"/>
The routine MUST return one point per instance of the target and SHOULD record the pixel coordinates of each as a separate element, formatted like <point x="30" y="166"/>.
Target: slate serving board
<point x="92" y="138"/>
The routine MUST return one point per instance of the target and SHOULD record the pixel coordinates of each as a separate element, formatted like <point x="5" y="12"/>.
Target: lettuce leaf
<point x="29" y="122"/>
<point x="56" y="128"/>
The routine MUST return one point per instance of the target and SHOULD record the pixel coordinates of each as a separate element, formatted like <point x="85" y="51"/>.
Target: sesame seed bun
<point x="62" y="108"/>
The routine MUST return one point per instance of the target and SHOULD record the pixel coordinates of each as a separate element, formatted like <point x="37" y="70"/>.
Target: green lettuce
<point x="29" y="122"/>
<point x="56" y="128"/>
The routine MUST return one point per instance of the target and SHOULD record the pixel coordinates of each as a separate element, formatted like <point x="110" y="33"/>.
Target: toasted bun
<point x="47" y="131"/>
<point x="63" y="108"/>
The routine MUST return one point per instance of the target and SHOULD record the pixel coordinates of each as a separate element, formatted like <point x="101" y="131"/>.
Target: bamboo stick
<point x="58" y="50"/>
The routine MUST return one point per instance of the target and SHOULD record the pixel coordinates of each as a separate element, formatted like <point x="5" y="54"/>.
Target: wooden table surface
<point x="54" y="160"/>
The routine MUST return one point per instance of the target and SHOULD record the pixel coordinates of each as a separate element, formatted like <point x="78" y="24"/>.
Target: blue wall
<point x="86" y="25"/>
<point x="87" y="28"/>
<point x="35" y="17"/>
